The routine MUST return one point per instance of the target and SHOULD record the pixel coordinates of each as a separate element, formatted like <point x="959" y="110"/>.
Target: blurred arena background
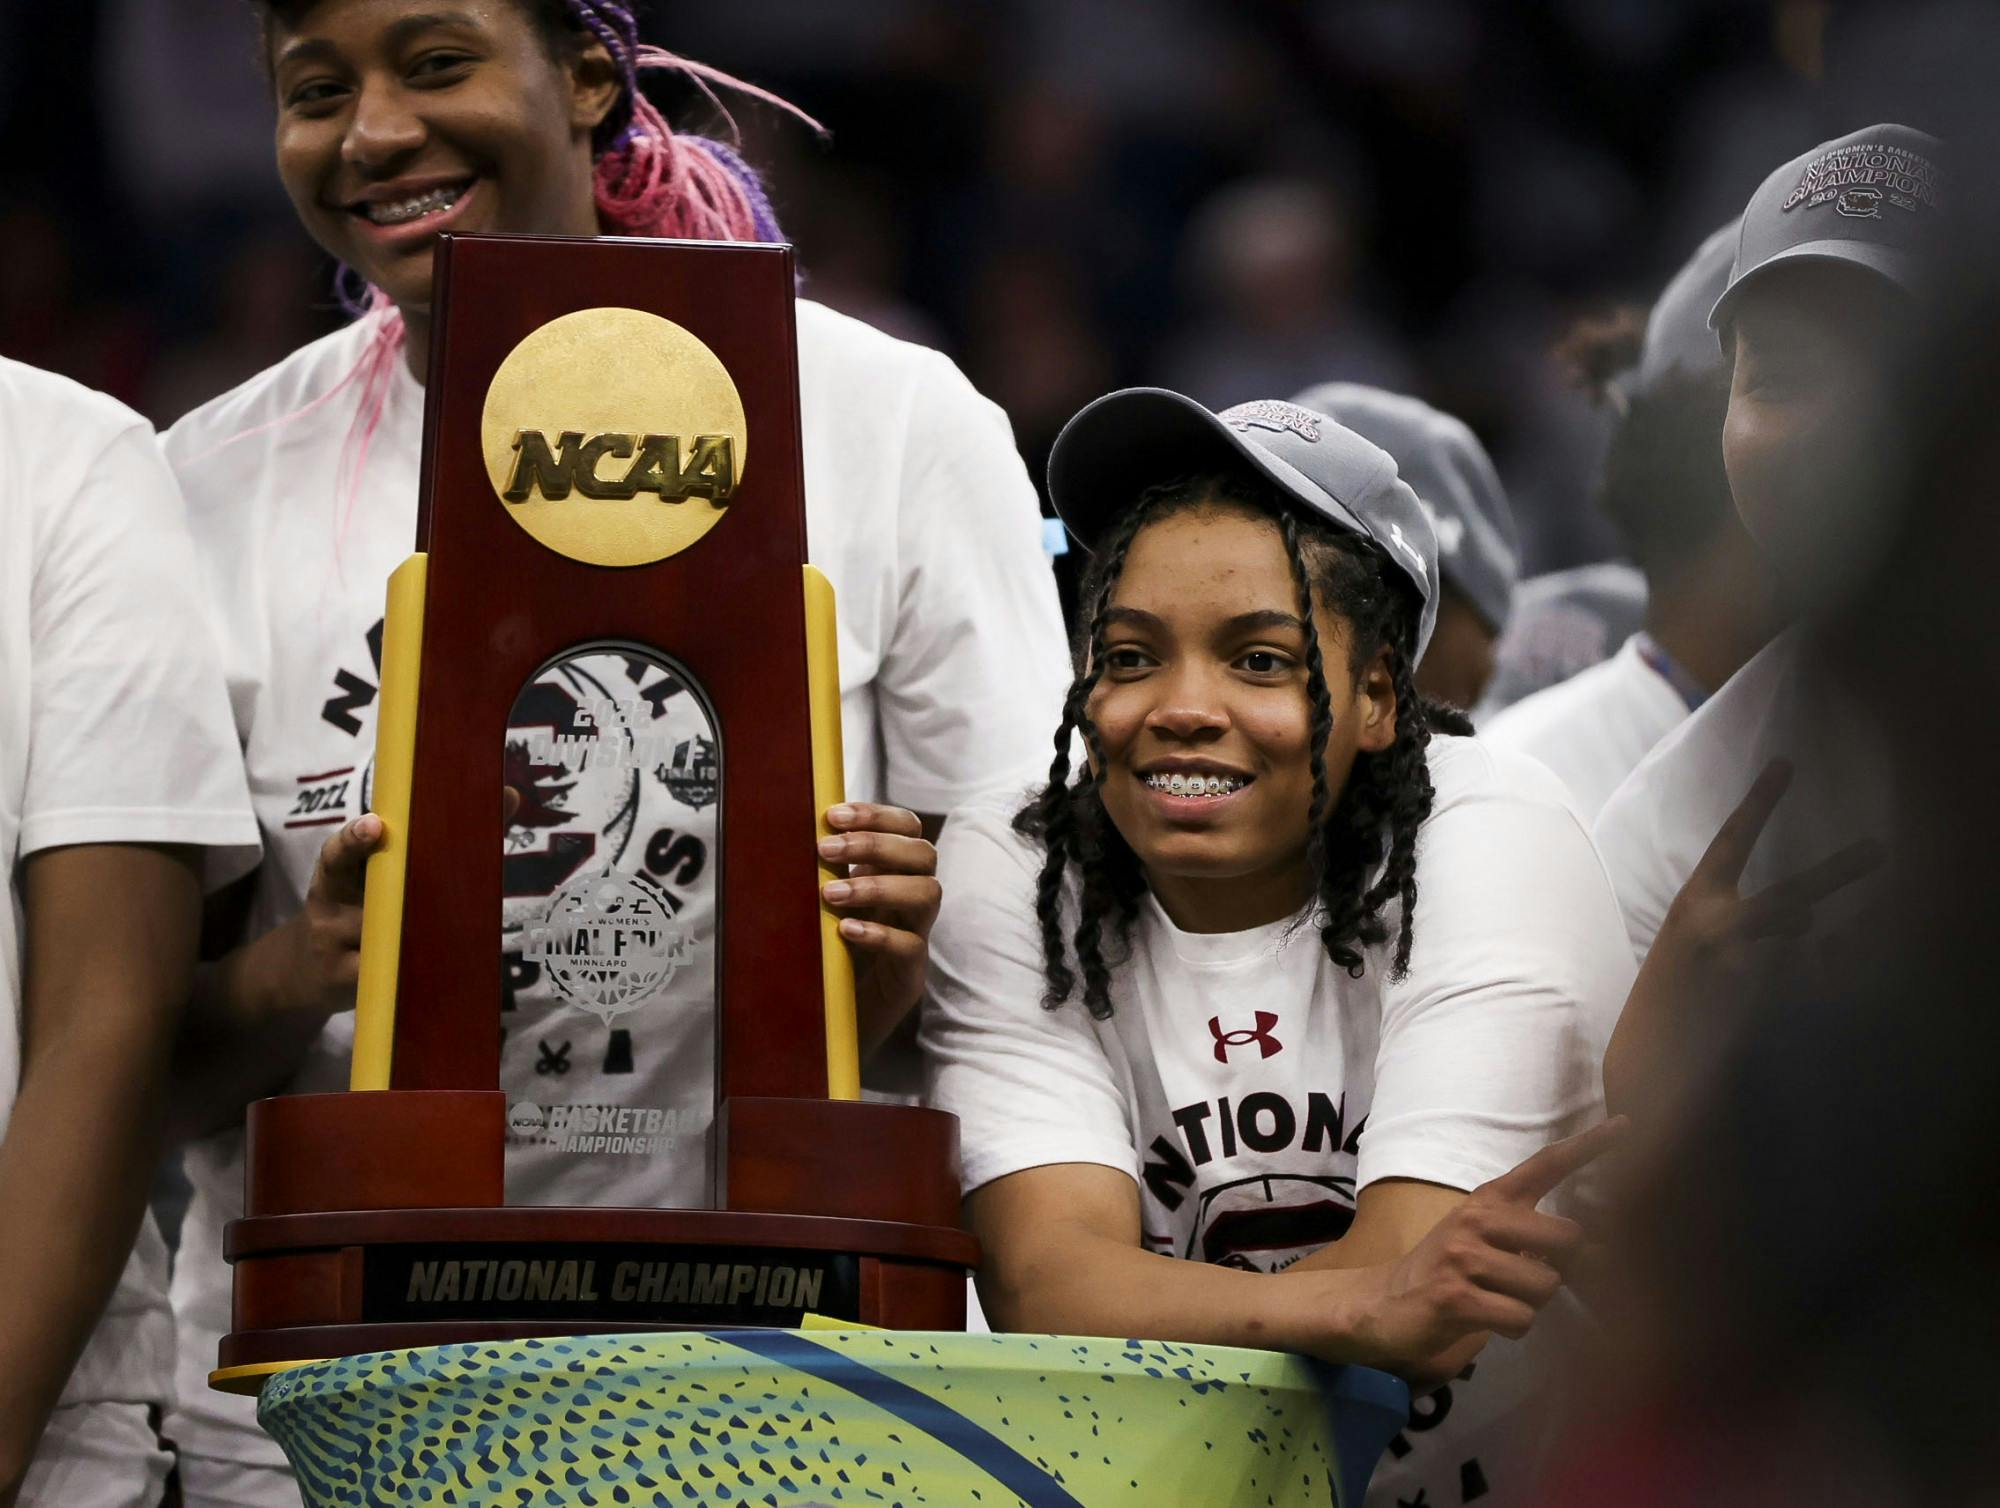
<point x="1232" y="197"/>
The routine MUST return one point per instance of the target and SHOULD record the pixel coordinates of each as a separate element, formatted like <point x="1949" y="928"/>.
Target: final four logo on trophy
<point x="607" y="942"/>
<point x="614" y="436"/>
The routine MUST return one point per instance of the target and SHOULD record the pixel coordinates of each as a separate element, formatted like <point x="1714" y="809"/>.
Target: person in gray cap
<point x="1479" y="554"/>
<point x="1709" y="603"/>
<point x="1279" y="898"/>
<point x="1563" y="623"/>
<point x="1830" y="269"/>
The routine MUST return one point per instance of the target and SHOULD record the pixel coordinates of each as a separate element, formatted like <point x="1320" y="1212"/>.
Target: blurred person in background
<point x="259" y="317"/>
<point x="1045" y="244"/>
<point x="1709" y="599"/>
<point x="1490" y="365"/>
<point x="186" y="159"/>
<point x="858" y="260"/>
<point x="1563" y="623"/>
<point x="1270" y="263"/>
<point x="1032" y="343"/>
<point x="397" y="121"/>
<point x="1478" y="558"/>
<point x="1832" y="262"/>
<point x="106" y="347"/>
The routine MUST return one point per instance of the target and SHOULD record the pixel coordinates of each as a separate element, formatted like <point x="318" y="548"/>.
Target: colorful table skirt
<point x="824" y="1417"/>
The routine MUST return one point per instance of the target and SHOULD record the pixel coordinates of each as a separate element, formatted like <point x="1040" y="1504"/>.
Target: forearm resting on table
<point x="1094" y="1286"/>
<point x="1390" y="1218"/>
<point x="1065" y="1259"/>
<point x="245" y="1034"/>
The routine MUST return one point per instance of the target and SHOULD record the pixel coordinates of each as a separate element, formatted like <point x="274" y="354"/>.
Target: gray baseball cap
<point x="1453" y="477"/>
<point x="1868" y="199"/>
<point x="1119" y="445"/>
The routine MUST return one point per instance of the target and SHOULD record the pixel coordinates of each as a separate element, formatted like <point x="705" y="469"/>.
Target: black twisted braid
<point x="1387" y="798"/>
<point x="1370" y="824"/>
<point x="1319" y="700"/>
<point x="1071" y="821"/>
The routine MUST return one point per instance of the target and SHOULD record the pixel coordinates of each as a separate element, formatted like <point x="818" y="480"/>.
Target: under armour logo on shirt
<point x="1266" y="1043"/>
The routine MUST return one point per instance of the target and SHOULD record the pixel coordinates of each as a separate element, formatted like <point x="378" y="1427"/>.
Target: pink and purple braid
<point x="651" y="182"/>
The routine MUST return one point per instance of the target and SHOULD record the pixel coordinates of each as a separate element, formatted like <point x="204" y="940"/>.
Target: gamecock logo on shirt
<point x="1266" y="1222"/>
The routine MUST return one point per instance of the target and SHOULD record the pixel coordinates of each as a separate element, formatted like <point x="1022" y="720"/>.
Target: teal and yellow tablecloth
<point x="787" y="1419"/>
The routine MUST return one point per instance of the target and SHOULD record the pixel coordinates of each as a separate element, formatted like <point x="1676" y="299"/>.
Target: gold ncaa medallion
<point x="614" y="436"/>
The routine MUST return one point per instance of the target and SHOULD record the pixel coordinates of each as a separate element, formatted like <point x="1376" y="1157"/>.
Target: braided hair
<point x="1366" y="829"/>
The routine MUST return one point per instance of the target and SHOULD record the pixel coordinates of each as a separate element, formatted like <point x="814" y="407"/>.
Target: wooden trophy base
<point x="375" y="1222"/>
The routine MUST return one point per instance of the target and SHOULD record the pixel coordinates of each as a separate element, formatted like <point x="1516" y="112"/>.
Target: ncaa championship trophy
<point x="442" y="1297"/>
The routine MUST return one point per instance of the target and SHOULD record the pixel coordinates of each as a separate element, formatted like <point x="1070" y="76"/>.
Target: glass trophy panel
<point x="608" y="923"/>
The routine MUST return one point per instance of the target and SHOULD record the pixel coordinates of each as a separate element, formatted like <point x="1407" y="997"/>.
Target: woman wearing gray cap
<point x="1828" y="271"/>
<point x="1287" y="980"/>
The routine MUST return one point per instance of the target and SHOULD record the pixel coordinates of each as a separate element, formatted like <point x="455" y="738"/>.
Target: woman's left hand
<point x="887" y="905"/>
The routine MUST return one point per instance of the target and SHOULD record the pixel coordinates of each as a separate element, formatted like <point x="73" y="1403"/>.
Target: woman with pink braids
<point x="397" y="120"/>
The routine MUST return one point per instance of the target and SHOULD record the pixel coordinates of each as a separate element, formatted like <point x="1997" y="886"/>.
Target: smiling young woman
<point x="397" y="120"/>
<point x="1291" y="979"/>
<point x="396" y="124"/>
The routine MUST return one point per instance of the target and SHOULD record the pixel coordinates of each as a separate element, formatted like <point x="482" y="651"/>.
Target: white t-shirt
<point x="952" y="668"/>
<point x="1595" y="727"/>
<point x="1251" y="1089"/>
<point x="1659" y="822"/>
<point x="113" y="727"/>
